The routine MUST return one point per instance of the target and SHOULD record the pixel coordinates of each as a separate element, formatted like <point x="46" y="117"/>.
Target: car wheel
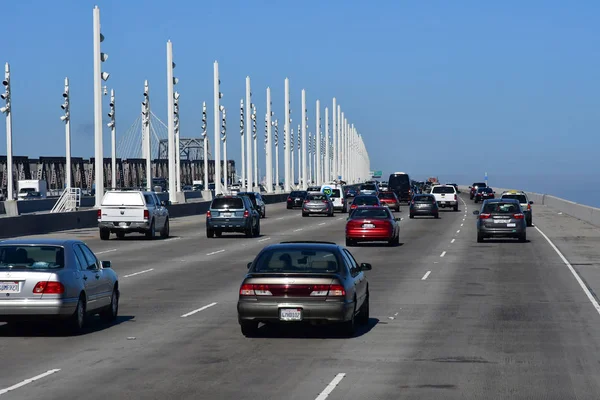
<point x="456" y="208"/>
<point x="523" y="237"/>
<point x="76" y="323"/>
<point x="398" y="209"/>
<point x="397" y="241"/>
<point x="120" y="235"/>
<point x="411" y="216"/>
<point x="164" y="233"/>
<point x="218" y="234"/>
<point x="289" y="207"/>
<point x="348" y="328"/>
<point x="210" y="233"/>
<point x="111" y="312"/>
<point x="104" y="234"/>
<point x="349" y="242"/>
<point x="249" y="328"/>
<point x="250" y="231"/>
<point x="257" y="231"/>
<point x="363" y="315"/>
<point x="305" y="214"/>
<point x="479" y="238"/>
<point x="530" y="223"/>
<point x="264" y="214"/>
<point x="151" y="233"/>
<point x="436" y="216"/>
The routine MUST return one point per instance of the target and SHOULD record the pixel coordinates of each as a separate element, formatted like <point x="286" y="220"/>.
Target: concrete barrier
<point x="38" y="224"/>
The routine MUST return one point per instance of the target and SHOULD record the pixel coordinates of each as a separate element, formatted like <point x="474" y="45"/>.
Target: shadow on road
<point x="56" y="329"/>
<point x="306" y="331"/>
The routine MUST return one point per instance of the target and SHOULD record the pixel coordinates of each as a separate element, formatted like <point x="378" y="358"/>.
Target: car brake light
<point x="46" y="287"/>
<point x="255" y="290"/>
<point x="246" y="214"/>
<point x="485" y="216"/>
<point x="320" y="290"/>
<point x="353" y="206"/>
<point x="518" y="216"/>
<point x="146" y="214"/>
<point x="336" y="291"/>
<point x="455" y="197"/>
<point x="99" y="214"/>
<point x="247" y="290"/>
<point x="208" y="214"/>
<point x="528" y="207"/>
<point x="289" y="199"/>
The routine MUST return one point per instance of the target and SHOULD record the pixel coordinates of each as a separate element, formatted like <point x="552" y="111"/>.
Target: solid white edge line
<point x="443" y="254"/>
<point x="278" y="219"/>
<point x="198" y="310"/>
<point x="105" y="251"/>
<point x="215" y="252"/>
<point x="264" y="239"/>
<point x="28" y="381"/>
<point x="575" y="274"/>
<point x="453" y="240"/>
<point x="138" y="273"/>
<point x="426" y="275"/>
<point x="327" y="391"/>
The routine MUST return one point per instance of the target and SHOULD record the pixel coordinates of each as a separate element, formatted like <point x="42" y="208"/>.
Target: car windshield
<point x="366" y="200"/>
<point x="296" y="261"/>
<point x="443" y="189"/>
<point x="519" y="197"/>
<point x="31" y="257"/>
<point x="371" y="213"/>
<point x="123" y="199"/>
<point x="367" y="187"/>
<point x="227" y="202"/>
<point x="424" y="199"/>
<point x="485" y="190"/>
<point x="501" y="208"/>
<point x="315" y="197"/>
<point x="387" y="195"/>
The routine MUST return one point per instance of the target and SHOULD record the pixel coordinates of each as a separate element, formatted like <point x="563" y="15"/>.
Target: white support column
<point x="243" y="145"/>
<point x="286" y="136"/>
<point x="113" y="144"/>
<point x="249" y="177"/>
<point x="147" y="138"/>
<point x="327" y="172"/>
<point x="338" y="151"/>
<point x="319" y="172"/>
<point x="206" y="193"/>
<point x="269" y="145"/>
<point x="334" y="170"/>
<point x="99" y="153"/>
<point x="256" y="187"/>
<point x="216" y="122"/>
<point x="304" y="143"/>
<point x="171" y="127"/>
<point x="299" y="154"/>
<point x="277" y="156"/>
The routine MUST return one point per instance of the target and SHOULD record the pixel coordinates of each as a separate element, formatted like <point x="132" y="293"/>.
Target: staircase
<point x="69" y="200"/>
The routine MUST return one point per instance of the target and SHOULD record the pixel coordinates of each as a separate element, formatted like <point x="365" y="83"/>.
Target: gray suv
<point x="232" y="214"/>
<point x="501" y="218"/>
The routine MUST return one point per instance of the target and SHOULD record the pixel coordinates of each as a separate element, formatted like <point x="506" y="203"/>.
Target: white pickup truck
<point x="125" y="212"/>
<point x="445" y="196"/>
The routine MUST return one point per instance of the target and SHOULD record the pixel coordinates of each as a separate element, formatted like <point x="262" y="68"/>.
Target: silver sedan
<point x="55" y="279"/>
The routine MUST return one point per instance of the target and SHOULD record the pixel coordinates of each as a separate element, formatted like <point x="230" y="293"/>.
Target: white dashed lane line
<point x="426" y="275"/>
<point x="264" y="239"/>
<point x="452" y="241"/>
<point x="28" y="381"/>
<point x="323" y="223"/>
<point x="327" y="391"/>
<point x="198" y="310"/>
<point x="443" y="254"/>
<point x="106" y="251"/>
<point x="215" y="252"/>
<point x="298" y="230"/>
<point x="138" y="273"/>
<point x="458" y="231"/>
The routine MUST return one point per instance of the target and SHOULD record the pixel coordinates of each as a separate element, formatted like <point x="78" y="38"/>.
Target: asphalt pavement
<point x="450" y="319"/>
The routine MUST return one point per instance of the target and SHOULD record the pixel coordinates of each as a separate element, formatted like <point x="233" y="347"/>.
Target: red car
<point x="372" y="224"/>
<point x="390" y="199"/>
<point x="364" y="200"/>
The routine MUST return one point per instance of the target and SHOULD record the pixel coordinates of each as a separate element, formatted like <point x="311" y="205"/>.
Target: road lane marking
<point x="452" y="241"/>
<point x="264" y="239"/>
<point x="216" y="252"/>
<point x="461" y="224"/>
<point x="171" y="239"/>
<point x="443" y="254"/>
<point x="425" y="276"/>
<point x="106" y="251"/>
<point x="575" y="274"/>
<point x="28" y="381"/>
<point x="298" y="230"/>
<point x="138" y="273"/>
<point x="458" y="231"/>
<point x="322" y="223"/>
<point x="339" y="219"/>
<point x="327" y="391"/>
<point x="198" y="310"/>
<point x="280" y="218"/>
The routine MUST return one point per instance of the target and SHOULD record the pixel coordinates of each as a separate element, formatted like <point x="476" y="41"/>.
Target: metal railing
<point x="69" y="200"/>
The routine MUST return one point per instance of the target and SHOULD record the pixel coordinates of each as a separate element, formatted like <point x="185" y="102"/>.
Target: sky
<point x="437" y="88"/>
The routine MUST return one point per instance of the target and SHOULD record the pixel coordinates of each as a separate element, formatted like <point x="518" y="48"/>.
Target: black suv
<point x="296" y="199"/>
<point x="232" y="214"/>
<point x="257" y="201"/>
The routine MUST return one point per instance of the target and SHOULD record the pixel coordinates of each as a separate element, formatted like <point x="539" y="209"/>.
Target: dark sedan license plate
<point x="290" y="314"/>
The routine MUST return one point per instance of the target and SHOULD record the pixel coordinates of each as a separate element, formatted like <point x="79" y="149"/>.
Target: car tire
<point x="398" y="209"/>
<point x="165" y="231"/>
<point x="363" y="315"/>
<point x="120" y="235"/>
<point x="218" y="234"/>
<point x="397" y="241"/>
<point x="264" y="214"/>
<point x="76" y="322"/>
<point x="104" y="234"/>
<point x="151" y="233"/>
<point x="348" y="328"/>
<point x="257" y="231"/>
<point x="305" y="214"/>
<point x="411" y="216"/>
<point x="479" y="238"/>
<point x="289" y="208"/>
<point x="436" y="216"/>
<point x="210" y="233"/>
<point x="111" y="312"/>
<point x="530" y="222"/>
<point x="456" y="208"/>
<point x="350" y="242"/>
<point x="250" y="231"/>
<point x="523" y="237"/>
<point x="249" y="328"/>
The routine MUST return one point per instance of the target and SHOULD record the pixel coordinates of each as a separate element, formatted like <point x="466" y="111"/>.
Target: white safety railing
<point x="69" y="200"/>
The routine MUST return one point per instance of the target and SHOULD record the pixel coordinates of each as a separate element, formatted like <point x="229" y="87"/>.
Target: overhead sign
<point x="376" y="174"/>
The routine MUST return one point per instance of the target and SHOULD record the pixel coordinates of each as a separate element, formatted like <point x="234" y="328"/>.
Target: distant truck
<point x="433" y="180"/>
<point x="32" y="189"/>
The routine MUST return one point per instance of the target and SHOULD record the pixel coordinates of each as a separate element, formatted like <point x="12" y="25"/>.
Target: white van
<point x="336" y="194"/>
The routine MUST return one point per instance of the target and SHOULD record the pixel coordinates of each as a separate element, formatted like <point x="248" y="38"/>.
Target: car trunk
<point x="19" y="284"/>
<point x="290" y="287"/>
<point x="123" y="213"/>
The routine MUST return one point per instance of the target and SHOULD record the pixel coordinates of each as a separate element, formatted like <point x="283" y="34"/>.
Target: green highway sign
<point x="376" y="174"/>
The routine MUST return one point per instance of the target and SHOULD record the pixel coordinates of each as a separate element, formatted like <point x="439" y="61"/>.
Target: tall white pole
<point x="205" y="145"/>
<point x="276" y="156"/>
<point x="177" y="161"/>
<point x="99" y="153"/>
<point x="248" y="136"/>
<point x="269" y="145"/>
<point x="9" y="148"/>
<point x="217" y="139"/>
<point x="342" y="151"/>
<point x="224" y="140"/>
<point x="338" y="133"/>
<point x="334" y="170"/>
<point x="254" y="144"/>
<point x="171" y="127"/>
<point x="327" y="172"/>
<point x="113" y="145"/>
<point x="318" y="147"/>
<point x="310" y="157"/>
<point x="286" y="136"/>
<point x="67" y="119"/>
<point x="242" y="147"/>
<point x="147" y="139"/>
<point x="304" y="143"/>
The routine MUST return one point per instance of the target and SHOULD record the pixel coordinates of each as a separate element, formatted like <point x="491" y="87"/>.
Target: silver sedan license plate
<point x="290" y="314"/>
<point x="9" y="287"/>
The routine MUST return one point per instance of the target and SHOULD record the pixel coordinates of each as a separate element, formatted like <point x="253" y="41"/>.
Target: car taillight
<point x="455" y="197"/>
<point x="146" y="214"/>
<point x="255" y="290"/>
<point x="353" y="206"/>
<point x="208" y="214"/>
<point x="336" y="291"/>
<point x="46" y="287"/>
<point x="306" y="201"/>
<point x="289" y="199"/>
<point x="484" y="216"/>
<point x="246" y="214"/>
<point x="528" y="207"/>
<point x="99" y="214"/>
<point x="518" y="216"/>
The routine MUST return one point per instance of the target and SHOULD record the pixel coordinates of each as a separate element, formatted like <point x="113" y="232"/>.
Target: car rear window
<point x="335" y="193"/>
<point x="297" y="194"/>
<point x="424" y="199"/>
<point x="366" y="200"/>
<point x="368" y="187"/>
<point x="444" y="189"/>
<point x="123" y="199"/>
<point x="386" y="195"/>
<point x="227" y="202"/>
<point x="296" y="261"/>
<point x="519" y="197"/>
<point x="31" y="257"/>
<point x="485" y="190"/>
<point x="479" y="184"/>
<point x="501" y="208"/>
<point x="317" y="197"/>
<point x="371" y="213"/>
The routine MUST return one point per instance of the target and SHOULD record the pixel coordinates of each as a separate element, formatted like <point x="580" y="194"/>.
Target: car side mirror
<point x="475" y="212"/>
<point x="531" y="202"/>
<point x="365" y="267"/>
<point x="106" y="264"/>
<point x="470" y="187"/>
<point x="397" y="219"/>
<point x="249" y="265"/>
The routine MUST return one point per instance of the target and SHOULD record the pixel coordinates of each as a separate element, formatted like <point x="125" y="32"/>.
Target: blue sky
<point x="442" y="88"/>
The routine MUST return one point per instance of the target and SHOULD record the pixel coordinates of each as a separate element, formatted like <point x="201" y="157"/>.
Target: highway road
<point x="450" y="319"/>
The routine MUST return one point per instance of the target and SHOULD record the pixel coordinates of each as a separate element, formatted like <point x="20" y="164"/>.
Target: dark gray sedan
<point x="501" y="218"/>
<point x="424" y="204"/>
<point x="317" y="204"/>
<point x="55" y="279"/>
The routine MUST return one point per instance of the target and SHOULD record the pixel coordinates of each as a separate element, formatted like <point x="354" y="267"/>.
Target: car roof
<point x="502" y="201"/>
<point x="514" y="192"/>
<point x="40" y="242"/>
